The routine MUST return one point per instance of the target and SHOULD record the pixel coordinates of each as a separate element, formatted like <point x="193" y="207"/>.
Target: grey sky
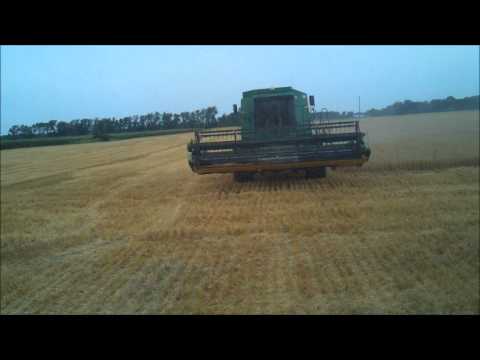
<point x="41" y="83"/>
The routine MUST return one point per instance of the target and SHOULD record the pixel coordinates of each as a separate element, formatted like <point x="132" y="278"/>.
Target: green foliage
<point x="9" y="143"/>
<point x="326" y="115"/>
<point x="231" y="119"/>
<point x="98" y="128"/>
<point x="125" y="136"/>
<point x="436" y="105"/>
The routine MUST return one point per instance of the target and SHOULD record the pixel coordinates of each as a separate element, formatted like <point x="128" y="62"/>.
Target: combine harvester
<point x="278" y="133"/>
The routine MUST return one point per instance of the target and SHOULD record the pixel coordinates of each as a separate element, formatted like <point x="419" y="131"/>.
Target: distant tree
<point x="63" y="128"/>
<point x="100" y="130"/>
<point x="14" y="131"/>
<point x="184" y="119"/>
<point x="26" y="131"/>
<point x="210" y="116"/>
<point x="52" y="127"/>
<point x="176" y="121"/>
<point x="167" y="120"/>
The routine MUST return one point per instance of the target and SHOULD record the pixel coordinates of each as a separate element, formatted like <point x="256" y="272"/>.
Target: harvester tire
<point x="315" y="173"/>
<point x="243" y="176"/>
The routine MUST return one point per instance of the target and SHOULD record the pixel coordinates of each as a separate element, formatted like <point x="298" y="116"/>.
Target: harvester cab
<point x="279" y="132"/>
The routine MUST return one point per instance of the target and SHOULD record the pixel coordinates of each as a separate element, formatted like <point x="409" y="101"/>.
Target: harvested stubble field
<point x="126" y="227"/>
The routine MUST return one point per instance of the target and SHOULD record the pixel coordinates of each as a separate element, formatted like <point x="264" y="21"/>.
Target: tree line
<point x="437" y="105"/>
<point x="333" y="115"/>
<point x="203" y="118"/>
<point x="207" y="118"/>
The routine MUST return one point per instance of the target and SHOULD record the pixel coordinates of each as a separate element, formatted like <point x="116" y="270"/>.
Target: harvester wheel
<point x="243" y="176"/>
<point x="314" y="173"/>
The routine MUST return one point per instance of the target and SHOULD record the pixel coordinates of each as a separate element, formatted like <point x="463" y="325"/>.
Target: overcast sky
<point x="41" y="83"/>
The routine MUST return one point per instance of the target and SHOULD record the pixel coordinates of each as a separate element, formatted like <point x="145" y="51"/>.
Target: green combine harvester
<point x="278" y="133"/>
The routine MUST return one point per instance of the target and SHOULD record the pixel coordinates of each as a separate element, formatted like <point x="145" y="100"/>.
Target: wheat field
<point x="126" y="228"/>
